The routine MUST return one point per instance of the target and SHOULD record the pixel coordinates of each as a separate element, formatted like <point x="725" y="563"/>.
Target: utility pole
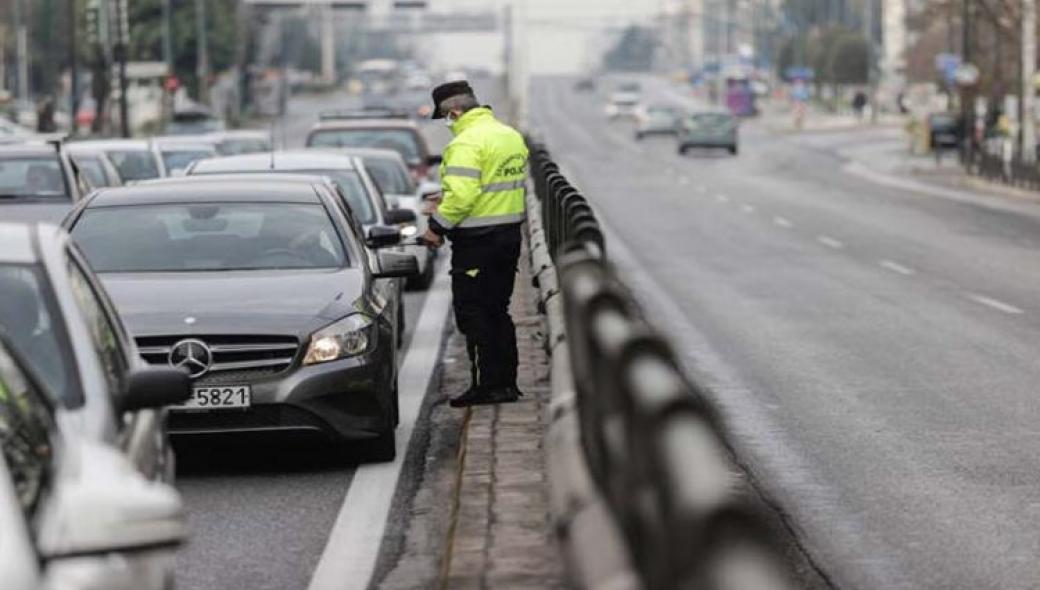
<point x="1028" y="87"/>
<point x="121" y="49"/>
<point x="22" y="50"/>
<point x="967" y="109"/>
<point x="73" y="69"/>
<point x="202" y="49"/>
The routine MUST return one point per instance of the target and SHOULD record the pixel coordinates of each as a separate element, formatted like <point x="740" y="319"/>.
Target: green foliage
<point x="633" y="52"/>
<point x="849" y="62"/>
<point x="837" y="55"/>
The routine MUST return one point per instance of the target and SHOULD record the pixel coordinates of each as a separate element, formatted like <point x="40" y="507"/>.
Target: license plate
<point x="218" y="398"/>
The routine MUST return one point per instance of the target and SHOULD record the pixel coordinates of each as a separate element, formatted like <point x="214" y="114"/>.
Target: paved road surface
<point x="873" y="348"/>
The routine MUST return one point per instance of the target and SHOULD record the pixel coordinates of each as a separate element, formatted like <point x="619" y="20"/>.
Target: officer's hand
<point x="432" y="240"/>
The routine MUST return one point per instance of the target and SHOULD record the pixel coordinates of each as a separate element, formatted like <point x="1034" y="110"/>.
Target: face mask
<point x="449" y="122"/>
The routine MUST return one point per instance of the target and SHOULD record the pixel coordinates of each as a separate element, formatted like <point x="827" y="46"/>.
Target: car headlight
<point x="350" y="336"/>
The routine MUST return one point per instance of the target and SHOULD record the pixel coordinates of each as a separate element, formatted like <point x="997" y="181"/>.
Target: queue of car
<point x="186" y="286"/>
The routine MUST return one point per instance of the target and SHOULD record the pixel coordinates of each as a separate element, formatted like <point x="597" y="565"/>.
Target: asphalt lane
<point x="873" y="348"/>
<point x="261" y="511"/>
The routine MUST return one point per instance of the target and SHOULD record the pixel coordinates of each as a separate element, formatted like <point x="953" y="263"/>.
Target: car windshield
<point x="350" y="184"/>
<point x="391" y="177"/>
<point x="28" y="323"/>
<point x="32" y="176"/>
<point x="181" y="159"/>
<point x="209" y="236"/>
<point x="711" y="121"/>
<point x="92" y="169"/>
<point x="402" y="141"/>
<point x="234" y="147"/>
<point x="134" y="164"/>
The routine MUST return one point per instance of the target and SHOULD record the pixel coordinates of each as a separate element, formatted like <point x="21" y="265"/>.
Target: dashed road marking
<point x="747" y="208"/>
<point x="722" y="198"/>
<point x="995" y="304"/>
<point x="830" y="242"/>
<point x="897" y="268"/>
<point x="783" y="222"/>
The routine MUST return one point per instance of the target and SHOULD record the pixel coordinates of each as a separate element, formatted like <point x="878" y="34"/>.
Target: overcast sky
<point x="562" y="36"/>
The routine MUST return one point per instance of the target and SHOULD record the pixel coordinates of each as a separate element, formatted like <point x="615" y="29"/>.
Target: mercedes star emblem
<point x="193" y="355"/>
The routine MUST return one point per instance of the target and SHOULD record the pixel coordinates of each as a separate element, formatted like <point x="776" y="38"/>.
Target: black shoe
<point x="504" y="395"/>
<point x="474" y="396"/>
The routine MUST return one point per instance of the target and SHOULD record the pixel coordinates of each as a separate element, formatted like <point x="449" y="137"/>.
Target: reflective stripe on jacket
<point x="483" y="175"/>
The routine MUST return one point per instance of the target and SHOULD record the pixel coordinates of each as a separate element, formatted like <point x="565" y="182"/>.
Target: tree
<point x="634" y="51"/>
<point x="849" y="61"/>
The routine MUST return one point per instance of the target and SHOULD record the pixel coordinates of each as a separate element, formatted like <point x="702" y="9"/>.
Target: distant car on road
<point x="136" y="159"/>
<point x="241" y="141"/>
<point x="623" y="102"/>
<point x="37" y="182"/>
<point x="56" y="314"/>
<point x="265" y="288"/>
<point x="585" y="84"/>
<point x="708" y="129"/>
<point x="74" y="514"/>
<point x="944" y="130"/>
<point x="657" y="120"/>
<point x="377" y="129"/>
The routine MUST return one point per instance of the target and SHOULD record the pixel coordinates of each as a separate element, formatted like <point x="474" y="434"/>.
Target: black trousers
<point x="483" y="271"/>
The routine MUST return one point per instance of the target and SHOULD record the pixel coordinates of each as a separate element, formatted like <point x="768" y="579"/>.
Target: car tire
<point x="733" y="150"/>
<point x="381" y="449"/>
<point x="682" y="150"/>
<point x="639" y="136"/>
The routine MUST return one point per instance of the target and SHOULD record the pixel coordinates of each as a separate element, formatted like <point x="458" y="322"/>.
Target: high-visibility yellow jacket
<point x="483" y="174"/>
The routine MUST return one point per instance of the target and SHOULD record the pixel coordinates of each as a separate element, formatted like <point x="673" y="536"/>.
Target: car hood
<point x="34" y="211"/>
<point x="234" y="302"/>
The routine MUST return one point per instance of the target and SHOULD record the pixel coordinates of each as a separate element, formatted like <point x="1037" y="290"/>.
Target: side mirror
<point x="396" y="216"/>
<point x="434" y="160"/>
<point x="382" y="236"/>
<point x="104" y="505"/>
<point x="154" y="387"/>
<point x="396" y="265"/>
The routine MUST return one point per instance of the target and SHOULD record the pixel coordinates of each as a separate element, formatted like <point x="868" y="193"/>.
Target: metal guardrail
<point x="655" y="469"/>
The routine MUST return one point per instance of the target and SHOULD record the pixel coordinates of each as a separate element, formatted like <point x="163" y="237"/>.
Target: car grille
<point x="235" y="358"/>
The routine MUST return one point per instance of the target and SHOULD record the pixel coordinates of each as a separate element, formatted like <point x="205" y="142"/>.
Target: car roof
<point x="273" y="188"/>
<point x="241" y="134"/>
<point x="375" y="123"/>
<point x="110" y="144"/>
<point x="16" y="243"/>
<point x="363" y="152"/>
<point x="27" y="149"/>
<point x="281" y="161"/>
<point x="185" y="146"/>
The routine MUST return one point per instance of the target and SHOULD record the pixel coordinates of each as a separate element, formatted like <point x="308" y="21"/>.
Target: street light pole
<point x="202" y="47"/>
<point x="22" y="49"/>
<point x="121" y="49"/>
<point x="73" y="69"/>
<point x="1028" y="86"/>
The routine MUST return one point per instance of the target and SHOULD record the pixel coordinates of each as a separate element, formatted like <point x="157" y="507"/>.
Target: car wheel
<point x="639" y="136"/>
<point x="382" y="448"/>
<point x="733" y="150"/>
<point x="682" y="150"/>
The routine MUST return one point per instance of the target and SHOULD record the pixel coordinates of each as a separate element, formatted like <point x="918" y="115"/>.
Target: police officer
<point x="481" y="208"/>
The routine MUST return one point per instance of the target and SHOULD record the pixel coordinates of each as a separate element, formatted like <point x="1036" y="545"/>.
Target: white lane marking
<point x="783" y="222"/>
<point x="350" y="554"/>
<point x="721" y="198"/>
<point x="830" y="242"/>
<point x="897" y="268"/>
<point x="995" y="304"/>
<point x="747" y="208"/>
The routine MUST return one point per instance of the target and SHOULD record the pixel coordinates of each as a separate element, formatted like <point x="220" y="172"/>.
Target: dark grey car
<point x="712" y="129"/>
<point x="263" y="287"/>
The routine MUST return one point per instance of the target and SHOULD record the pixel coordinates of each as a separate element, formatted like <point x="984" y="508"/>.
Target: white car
<point x="390" y="172"/>
<point x="622" y="104"/>
<point x="177" y="153"/>
<point x="136" y="159"/>
<point x="74" y="513"/>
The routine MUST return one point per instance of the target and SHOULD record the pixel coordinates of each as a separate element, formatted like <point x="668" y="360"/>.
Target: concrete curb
<point x="595" y="553"/>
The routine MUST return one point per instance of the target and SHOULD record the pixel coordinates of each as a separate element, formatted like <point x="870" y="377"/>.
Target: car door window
<point x="25" y="427"/>
<point x="103" y="331"/>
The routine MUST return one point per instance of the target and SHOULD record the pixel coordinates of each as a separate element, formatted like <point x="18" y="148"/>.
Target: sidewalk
<point x="479" y="518"/>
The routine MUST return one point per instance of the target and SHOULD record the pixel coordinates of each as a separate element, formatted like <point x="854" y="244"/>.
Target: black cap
<point x="446" y="91"/>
